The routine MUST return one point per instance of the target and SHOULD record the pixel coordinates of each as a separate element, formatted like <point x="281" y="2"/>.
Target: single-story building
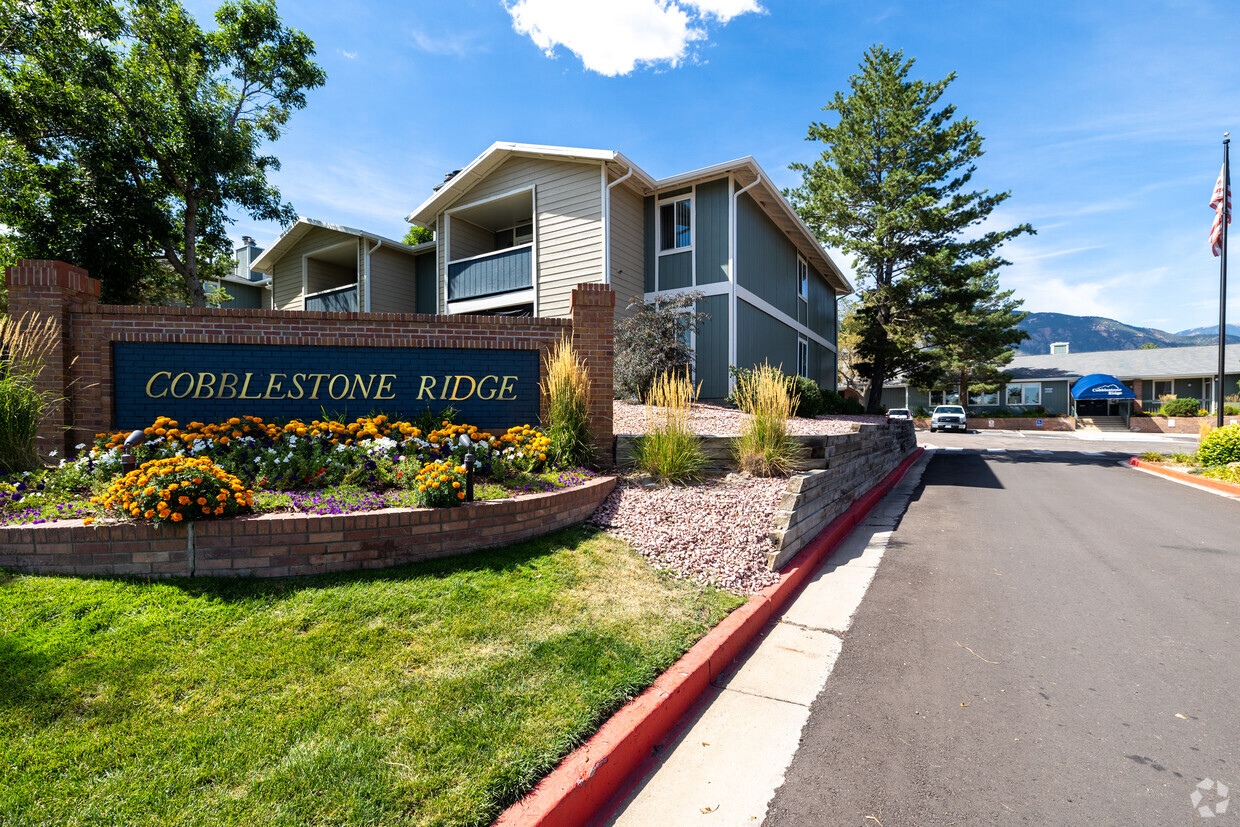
<point x="1045" y="381"/>
<point x="520" y="225"/>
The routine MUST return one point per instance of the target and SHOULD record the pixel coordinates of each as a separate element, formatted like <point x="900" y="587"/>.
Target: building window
<point x="802" y="279"/>
<point x="991" y="398"/>
<point x="1024" y="394"/>
<point x="1163" y="387"/>
<point x="803" y="358"/>
<point x="676" y="225"/>
<point x="944" y="398"/>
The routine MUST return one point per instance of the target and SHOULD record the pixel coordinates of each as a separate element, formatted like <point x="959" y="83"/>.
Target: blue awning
<point x="1101" y="386"/>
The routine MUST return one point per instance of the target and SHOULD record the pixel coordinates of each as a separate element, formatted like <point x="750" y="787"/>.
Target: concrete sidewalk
<point x="723" y="766"/>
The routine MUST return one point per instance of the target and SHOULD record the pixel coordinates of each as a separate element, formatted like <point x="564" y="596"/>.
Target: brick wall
<point x="81" y="368"/>
<point x="281" y="545"/>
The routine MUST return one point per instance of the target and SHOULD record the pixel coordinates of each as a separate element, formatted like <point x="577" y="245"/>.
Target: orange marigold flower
<point x="176" y="518"/>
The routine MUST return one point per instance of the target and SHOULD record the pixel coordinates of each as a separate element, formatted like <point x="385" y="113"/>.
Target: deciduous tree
<point x="891" y="188"/>
<point x="129" y="131"/>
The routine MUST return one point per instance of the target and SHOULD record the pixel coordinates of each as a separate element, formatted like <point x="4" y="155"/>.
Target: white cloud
<point x="614" y="37"/>
<point x="442" y="44"/>
<point x="349" y="55"/>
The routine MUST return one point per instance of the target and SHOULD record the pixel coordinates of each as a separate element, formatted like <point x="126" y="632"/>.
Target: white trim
<point x="718" y="288"/>
<point x="691" y="197"/>
<point x="803" y="273"/>
<point x="801" y="340"/>
<point x="489" y="199"/>
<point x="493" y="252"/>
<point x="468" y="306"/>
<point x="332" y="290"/>
<point x="604" y="198"/>
<point x="771" y="310"/>
<point x="378" y="244"/>
<point x="535" y="281"/>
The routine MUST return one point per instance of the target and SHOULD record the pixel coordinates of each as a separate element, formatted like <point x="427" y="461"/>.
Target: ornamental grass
<point x="568" y="406"/>
<point x="177" y="489"/>
<point x="24" y="346"/>
<point x="765" y="448"/>
<point x="669" y="449"/>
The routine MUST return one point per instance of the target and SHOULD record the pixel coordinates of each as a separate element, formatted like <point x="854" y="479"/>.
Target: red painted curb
<point x="1204" y="482"/>
<point x="585" y="780"/>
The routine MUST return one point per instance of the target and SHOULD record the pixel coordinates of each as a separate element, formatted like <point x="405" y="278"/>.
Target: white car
<point x="949" y="418"/>
<point x="899" y="415"/>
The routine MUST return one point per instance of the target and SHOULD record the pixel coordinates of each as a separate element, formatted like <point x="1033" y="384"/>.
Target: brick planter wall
<point x="80" y="369"/>
<point x="1183" y="424"/>
<point x="1013" y="423"/>
<point x="854" y="464"/>
<point x="281" y="545"/>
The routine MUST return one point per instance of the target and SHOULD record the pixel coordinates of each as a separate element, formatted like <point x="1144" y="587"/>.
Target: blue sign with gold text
<point x="492" y="389"/>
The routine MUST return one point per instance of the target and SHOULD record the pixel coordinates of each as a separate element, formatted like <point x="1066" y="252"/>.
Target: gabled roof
<point x="302" y="226"/>
<point x="746" y="170"/>
<point x="1147" y="363"/>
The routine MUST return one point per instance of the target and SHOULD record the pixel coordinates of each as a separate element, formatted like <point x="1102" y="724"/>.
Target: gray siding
<point x="1055" y="397"/>
<point x="710" y="241"/>
<point x="243" y="296"/>
<point x="822" y="366"/>
<point x="895" y="398"/>
<point x="323" y="275"/>
<point x="822" y="307"/>
<point x="627" y="247"/>
<point x="393" y="287"/>
<point x="426" y="293"/>
<point x="1185" y="388"/>
<point x="711" y="351"/>
<point x="766" y="259"/>
<point x="764" y="338"/>
<point x="676" y="270"/>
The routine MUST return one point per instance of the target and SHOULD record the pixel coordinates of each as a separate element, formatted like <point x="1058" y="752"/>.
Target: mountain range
<point x="1090" y="333"/>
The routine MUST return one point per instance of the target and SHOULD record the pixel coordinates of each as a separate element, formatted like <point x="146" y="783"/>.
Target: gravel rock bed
<point x="714" y="533"/>
<point x="720" y="420"/>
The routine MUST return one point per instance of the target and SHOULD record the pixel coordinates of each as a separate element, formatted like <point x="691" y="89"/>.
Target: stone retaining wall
<point x="854" y="463"/>
<point x="282" y="545"/>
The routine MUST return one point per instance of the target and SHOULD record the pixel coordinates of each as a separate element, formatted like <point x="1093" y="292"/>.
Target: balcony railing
<point x="336" y="300"/>
<point x="487" y="275"/>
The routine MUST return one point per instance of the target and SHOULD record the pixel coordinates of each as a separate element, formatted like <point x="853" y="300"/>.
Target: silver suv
<point x="948" y="418"/>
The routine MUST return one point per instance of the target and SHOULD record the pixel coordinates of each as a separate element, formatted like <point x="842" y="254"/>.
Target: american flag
<point x="1216" y="204"/>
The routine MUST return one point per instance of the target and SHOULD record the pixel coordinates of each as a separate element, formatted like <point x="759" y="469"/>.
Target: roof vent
<point x="446" y="179"/>
<point x="1059" y="348"/>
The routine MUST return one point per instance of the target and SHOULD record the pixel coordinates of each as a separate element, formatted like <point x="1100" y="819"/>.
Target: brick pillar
<point x="1138" y="386"/>
<point x="594" y="316"/>
<point x="45" y="289"/>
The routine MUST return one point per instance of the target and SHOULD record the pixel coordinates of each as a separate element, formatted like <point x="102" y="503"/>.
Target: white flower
<point x="79" y="446"/>
<point x="52" y="453"/>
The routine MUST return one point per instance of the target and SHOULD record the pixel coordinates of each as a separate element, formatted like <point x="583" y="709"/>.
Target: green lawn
<point x="435" y="693"/>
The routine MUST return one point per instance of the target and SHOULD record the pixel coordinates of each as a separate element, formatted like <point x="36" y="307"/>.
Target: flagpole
<point x="1222" y="285"/>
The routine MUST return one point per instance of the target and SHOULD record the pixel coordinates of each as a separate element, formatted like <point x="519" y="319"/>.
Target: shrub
<point x="809" y="397"/>
<point x="921" y="413"/>
<point x="1153" y="456"/>
<point x="668" y="449"/>
<point x="1231" y="410"/>
<point x="24" y="345"/>
<point x="765" y="447"/>
<point x="836" y="403"/>
<point x="1220" y="446"/>
<point x="568" y="406"/>
<point x="439" y="485"/>
<point x="654" y="341"/>
<point x="1180" y="407"/>
<point x="177" y="489"/>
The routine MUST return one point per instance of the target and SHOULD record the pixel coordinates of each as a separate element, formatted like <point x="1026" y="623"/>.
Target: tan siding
<point x="286" y="279"/>
<point x="628" y="261"/>
<point x="441" y="257"/>
<point x="393" y="282"/>
<point x="568" y="225"/>
<point x="323" y="275"/>
<point x="470" y="240"/>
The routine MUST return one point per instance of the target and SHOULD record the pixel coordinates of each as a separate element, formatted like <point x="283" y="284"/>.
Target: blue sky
<point x="1104" y="119"/>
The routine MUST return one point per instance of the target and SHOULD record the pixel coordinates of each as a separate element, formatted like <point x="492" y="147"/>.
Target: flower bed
<point x="218" y="474"/>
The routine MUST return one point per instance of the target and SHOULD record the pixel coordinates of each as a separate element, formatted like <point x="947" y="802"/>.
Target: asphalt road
<point x="1052" y="638"/>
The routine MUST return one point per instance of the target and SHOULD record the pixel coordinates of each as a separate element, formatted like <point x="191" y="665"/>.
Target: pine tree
<point x="890" y="189"/>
